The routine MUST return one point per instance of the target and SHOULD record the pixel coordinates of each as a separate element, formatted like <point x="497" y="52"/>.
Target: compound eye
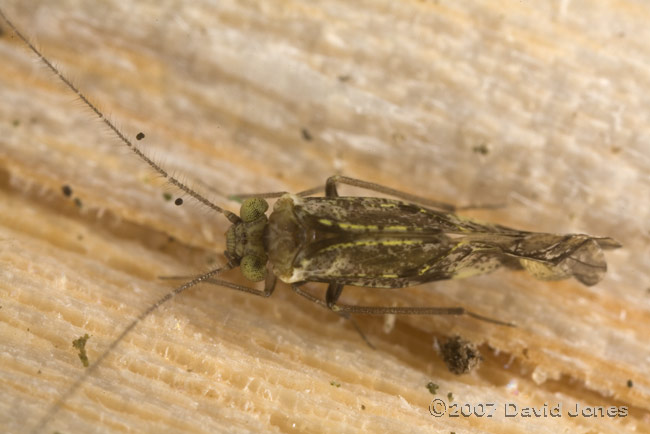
<point x="252" y="209"/>
<point x="253" y="268"/>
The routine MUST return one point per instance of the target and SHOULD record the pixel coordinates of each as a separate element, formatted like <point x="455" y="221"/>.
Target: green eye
<point x="253" y="268"/>
<point x="253" y="208"/>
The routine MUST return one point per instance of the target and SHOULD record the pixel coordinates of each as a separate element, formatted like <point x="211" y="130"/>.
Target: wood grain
<point x="542" y="106"/>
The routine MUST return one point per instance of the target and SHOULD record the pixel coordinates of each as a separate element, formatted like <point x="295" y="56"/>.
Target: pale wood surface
<point x="400" y="93"/>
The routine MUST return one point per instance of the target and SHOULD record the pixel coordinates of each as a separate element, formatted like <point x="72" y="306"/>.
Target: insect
<point x="439" y="245"/>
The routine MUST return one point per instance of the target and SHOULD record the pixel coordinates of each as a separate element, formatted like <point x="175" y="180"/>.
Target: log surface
<point x="541" y="106"/>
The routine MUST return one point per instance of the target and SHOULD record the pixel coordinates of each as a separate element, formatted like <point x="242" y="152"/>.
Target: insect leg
<point x="275" y="194"/>
<point x="331" y="191"/>
<point x="268" y="290"/>
<point x="407" y="310"/>
<point x="334" y="291"/>
<point x="269" y="284"/>
<point x="296" y="288"/>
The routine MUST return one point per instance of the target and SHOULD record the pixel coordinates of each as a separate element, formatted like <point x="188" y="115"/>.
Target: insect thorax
<point x="284" y="237"/>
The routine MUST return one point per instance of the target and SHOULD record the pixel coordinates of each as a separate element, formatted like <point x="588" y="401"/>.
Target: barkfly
<point x="386" y="243"/>
<point x="370" y="242"/>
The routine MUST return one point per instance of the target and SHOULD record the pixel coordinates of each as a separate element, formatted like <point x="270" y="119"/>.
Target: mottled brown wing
<point x="377" y="242"/>
<point x="381" y="242"/>
<point x="361" y="213"/>
<point x="555" y="257"/>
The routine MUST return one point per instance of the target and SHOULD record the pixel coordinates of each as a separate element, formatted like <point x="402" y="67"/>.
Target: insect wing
<point x="387" y="243"/>
<point x="376" y="242"/>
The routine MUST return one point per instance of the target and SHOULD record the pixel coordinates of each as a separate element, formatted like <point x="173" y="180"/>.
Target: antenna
<point x="137" y="151"/>
<point x="56" y="407"/>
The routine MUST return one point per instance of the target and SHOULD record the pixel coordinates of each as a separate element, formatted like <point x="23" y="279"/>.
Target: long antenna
<point x="54" y="409"/>
<point x="137" y="151"/>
